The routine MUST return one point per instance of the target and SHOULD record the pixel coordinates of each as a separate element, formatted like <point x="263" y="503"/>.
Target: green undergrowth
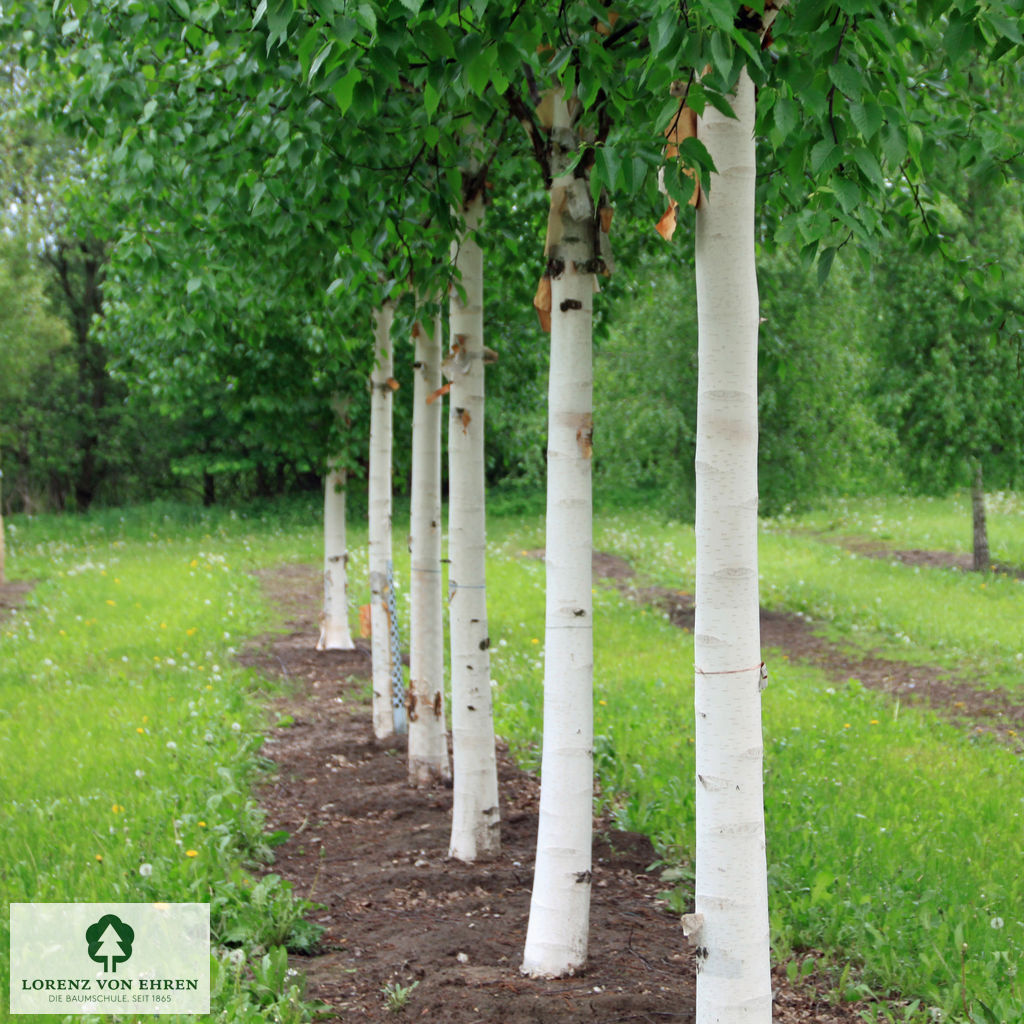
<point x="893" y="836"/>
<point x="129" y="735"/>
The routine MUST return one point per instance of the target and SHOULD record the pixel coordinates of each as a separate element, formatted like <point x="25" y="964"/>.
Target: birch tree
<point x="334" y="628"/>
<point x="557" y="934"/>
<point x="382" y="384"/>
<point x="476" y="821"/>
<point x="428" y="735"/>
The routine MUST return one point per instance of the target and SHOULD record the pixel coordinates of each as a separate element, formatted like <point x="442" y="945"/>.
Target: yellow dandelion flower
<point x="603" y="703"/>
<point x="117" y="809"/>
<point x="209" y="687"/>
<point x="99" y="857"/>
<point x="103" y="572"/>
<point x="111" y="603"/>
<point x="874" y="721"/>
<point x="62" y="633"/>
<point x="534" y="640"/>
<point x="193" y="563"/>
<point x="145" y="718"/>
<point x="846" y="725"/>
<point x="1011" y="732"/>
<point x="191" y="853"/>
<point x="140" y="729"/>
<point x="191" y="631"/>
<point x="163" y="625"/>
<point x="202" y="824"/>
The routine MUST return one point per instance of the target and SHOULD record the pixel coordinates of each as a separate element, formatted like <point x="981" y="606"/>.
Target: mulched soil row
<point x="373" y="851"/>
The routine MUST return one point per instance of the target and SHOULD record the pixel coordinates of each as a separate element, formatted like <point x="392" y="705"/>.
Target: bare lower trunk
<point x="381" y="385"/>
<point x="2" y="552"/>
<point x="982" y="559"/>
<point x="558" y="930"/>
<point x="428" y="738"/>
<point x="730" y="923"/>
<point x="334" y="629"/>
<point x="476" y="822"/>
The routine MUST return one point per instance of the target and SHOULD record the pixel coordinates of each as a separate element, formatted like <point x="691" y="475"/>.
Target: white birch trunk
<point x="730" y="925"/>
<point x="428" y="738"/>
<point x="380" y="520"/>
<point x="334" y="629"/>
<point x="476" y="822"/>
<point x="557" y="935"/>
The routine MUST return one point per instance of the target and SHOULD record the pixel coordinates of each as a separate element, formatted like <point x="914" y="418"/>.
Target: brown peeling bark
<point x="585" y="435"/>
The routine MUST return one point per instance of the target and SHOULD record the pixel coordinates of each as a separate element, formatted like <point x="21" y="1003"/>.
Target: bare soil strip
<point x="373" y="851"/>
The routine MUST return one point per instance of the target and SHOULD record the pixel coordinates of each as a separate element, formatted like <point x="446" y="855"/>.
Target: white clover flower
<point x="236" y="727"/>
<point x="171" y="745"/>
<point x="208" y="737"/>
<point x="139" y="773"/>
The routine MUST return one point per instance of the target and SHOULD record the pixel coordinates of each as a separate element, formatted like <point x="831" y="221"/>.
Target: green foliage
<point x="818" y="434"/>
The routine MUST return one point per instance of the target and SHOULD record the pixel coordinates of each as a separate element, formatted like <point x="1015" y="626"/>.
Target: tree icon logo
<point x="110" y="942"/>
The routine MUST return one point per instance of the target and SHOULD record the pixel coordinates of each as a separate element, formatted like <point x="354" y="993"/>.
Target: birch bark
<point x="428" y="738"/>
<point x="381" y="390"/>
<point x="730" y="925"/>
<point x="558" y="930"/>
<point x="334" y="629"/>
<point x="476" y="823"/>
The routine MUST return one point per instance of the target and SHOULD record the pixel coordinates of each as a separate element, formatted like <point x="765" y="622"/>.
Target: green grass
<point x="129" y="734"/>
<point x="893" y="836"/>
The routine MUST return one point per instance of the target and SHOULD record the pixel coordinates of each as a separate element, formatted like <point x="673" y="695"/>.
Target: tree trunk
<point x="381" y="390"/>
<point x="730" y="924"/>
<point x="2" y="551"/>
<point x="428" y="737"/>
<point x="982" y="560"/>
<point x="476" y="824"/>
<point x="334" y="629"/>
<point x="557" y="935"/>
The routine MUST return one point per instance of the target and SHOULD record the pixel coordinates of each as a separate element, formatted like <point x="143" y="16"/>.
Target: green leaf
<point x="825" y="157"/>
<point x="258" y="14"/>
<point x="721" y="54"/>
<point x="825" y="261"/>
<point x="344" y="87"/>
<point x="720" y="103"/>
<point x="318" y="60"/>
<point x="661" y="31"/>
<point x="412" y="5"/>
<point x="868" y="163"/>
<point x="1006" y="27"/>
<point x="148" y="111"/>
<point x="958" y="38"/>
<point x="193" y="285"/>
<point x="894" y="145"/>
<point x="847" y="79"/>
<point x="435" y="41"/>
<point x="867" y="117"/>
<point x="607" y="164"/>
<point x="431" y="99"/>
<point x="478" y="72"/>
<point x="787" y="114"/>
<point x="847" y="192"/>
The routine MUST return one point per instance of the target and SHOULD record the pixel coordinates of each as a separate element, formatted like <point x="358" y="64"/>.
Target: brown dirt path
<point x="373" y="852"/>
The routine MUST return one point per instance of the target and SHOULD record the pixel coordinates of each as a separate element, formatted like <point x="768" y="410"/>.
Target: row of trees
<point x="310" y="164"/>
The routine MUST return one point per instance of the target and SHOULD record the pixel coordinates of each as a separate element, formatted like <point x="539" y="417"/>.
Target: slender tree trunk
<point x="476" y="822"/>
<point x="381" y="390"/>
<point x="428" y="738"/>
<point x="334" y="628"/>
<point x="2" y="551"/>
<point x="730" y="924"/>
<point x="982" y="559"/>
<point x="557" y="935"/>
